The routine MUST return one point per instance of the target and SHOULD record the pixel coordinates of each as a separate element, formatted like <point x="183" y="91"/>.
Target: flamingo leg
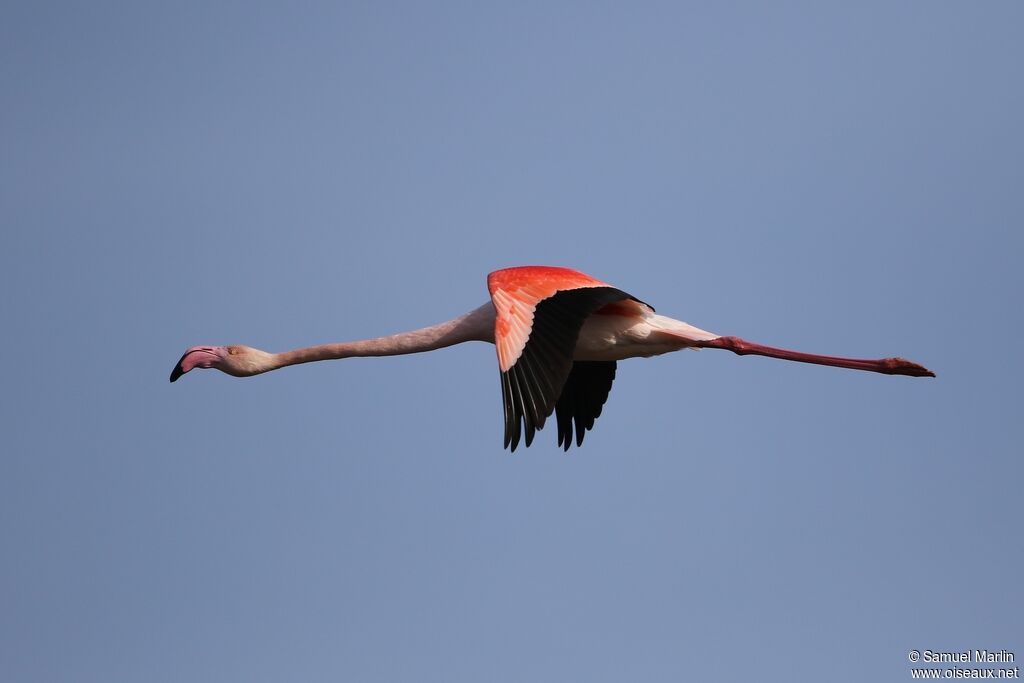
<point x="886" y="366"/>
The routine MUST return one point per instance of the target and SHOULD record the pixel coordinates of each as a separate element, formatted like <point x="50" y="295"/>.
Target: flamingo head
<point x="238" y="361"/>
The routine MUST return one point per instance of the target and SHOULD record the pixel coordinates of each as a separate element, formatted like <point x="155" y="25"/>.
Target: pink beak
<point x="197" y="357"/>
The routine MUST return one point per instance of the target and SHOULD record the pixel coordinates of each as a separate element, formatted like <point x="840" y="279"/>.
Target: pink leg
<point x="888" y="366"/>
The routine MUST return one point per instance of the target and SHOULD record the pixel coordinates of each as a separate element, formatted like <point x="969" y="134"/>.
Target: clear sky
<point x="841" y="178"/>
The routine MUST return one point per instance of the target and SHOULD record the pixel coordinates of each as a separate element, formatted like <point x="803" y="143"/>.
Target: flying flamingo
<point x="558" y="334"/>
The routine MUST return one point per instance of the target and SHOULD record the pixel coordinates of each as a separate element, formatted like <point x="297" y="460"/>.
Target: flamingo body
<point x="558" y="334"/>
<point x="561" y="331"/>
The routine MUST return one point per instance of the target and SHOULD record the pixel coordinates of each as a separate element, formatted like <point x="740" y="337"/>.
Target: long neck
<point x="887" y="366"/>
<point x="477" y="325"/>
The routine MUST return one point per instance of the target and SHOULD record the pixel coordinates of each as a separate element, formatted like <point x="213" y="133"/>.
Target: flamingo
<point x="558" y="333"/>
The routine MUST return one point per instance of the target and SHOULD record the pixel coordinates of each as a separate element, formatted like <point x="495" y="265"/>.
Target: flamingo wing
<point x="539" y="313"/>
<point x="584" y="394"/>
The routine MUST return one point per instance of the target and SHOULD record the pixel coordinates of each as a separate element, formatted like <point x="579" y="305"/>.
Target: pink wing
<point x="516" y="292"/>
<point x="540" y="310"/>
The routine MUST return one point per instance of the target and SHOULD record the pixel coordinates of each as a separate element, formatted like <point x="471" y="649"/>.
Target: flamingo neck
<point x="477" y="325"/>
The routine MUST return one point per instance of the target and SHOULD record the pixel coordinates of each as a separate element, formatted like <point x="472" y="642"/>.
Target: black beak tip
<point x="178" y="371"/>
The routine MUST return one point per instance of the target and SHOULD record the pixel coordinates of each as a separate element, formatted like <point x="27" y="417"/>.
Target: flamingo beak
<point x="197" y="357"/>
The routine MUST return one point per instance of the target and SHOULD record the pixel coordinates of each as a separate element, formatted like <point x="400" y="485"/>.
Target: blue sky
<point x="840" y="178"/>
